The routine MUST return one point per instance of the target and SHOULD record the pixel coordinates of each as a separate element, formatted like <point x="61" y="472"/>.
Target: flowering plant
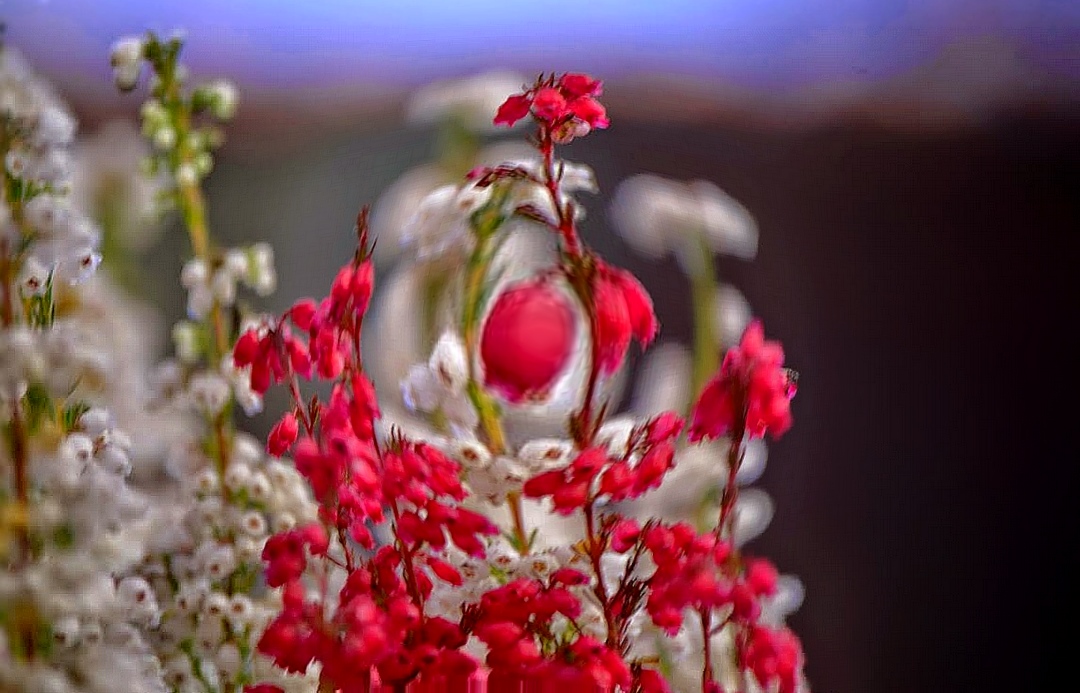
<point x="429" y="545"/>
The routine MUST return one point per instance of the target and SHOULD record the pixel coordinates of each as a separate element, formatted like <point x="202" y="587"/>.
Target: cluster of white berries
<point x="206" y="563"/>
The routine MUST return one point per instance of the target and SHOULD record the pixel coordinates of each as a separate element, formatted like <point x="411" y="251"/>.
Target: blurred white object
<point x="753" y="512"/>
<point x="732" y="314"/>
<point x="659" y="216"/>
<point x="471" y="101"/>
<point x="107" y="180"/>
<point x="663" y="383"/>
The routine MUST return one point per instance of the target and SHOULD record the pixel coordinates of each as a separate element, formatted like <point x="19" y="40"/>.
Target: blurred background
<point x="912" y="167"/>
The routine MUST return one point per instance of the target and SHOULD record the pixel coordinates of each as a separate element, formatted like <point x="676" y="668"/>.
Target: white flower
<point x="209" y="393"/>
<point x="223" y="98"/>
<point x="472" y="454"/>
<point x="443" y="221"/>
<point x="223" y="287"/>
<point x="186" y="340"/>
<point x="732" y="314"/>
<point x="658" y="216"/>
<point x="194" y="273"/>
<point x="753" y="512"/>
<point x="614" y="435"/>
<point x="424" y="390"/>
<point x="471" y="101"/>
<point x="449" y="363"/>
<point x="261" y="276"/>
<point x="126" y="59"/>
<point x="493" y="482"/>
<point x="545" y="454"/>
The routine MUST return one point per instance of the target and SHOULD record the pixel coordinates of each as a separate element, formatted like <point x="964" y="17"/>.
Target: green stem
<point x="703" y="286"/>
<point x="486" y="408"/>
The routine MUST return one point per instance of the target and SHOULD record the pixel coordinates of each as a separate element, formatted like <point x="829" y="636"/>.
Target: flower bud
<point x="527" y="340"/>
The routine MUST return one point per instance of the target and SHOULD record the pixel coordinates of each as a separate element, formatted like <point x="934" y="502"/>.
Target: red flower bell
<point x="527" y="340"/>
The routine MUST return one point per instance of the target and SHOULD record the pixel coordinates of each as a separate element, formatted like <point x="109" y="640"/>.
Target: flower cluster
<point x="429" y="590"/>
<point x="566" y="106"/>
<point x="497" y="523"/>
<point x="359" y="478"/>
<point x="227" y="498"/>
<point x="70" y="524"/>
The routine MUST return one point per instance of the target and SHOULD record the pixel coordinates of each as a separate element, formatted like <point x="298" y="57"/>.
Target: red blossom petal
<point x="513" y="109"/>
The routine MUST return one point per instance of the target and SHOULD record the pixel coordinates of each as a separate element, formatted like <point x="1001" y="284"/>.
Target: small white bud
<point x="223" y="98"/>
<point x="449" y="362"/>
<point x="246" y="548"/>
<point x="246" y="449"/>
<point x="186" y="341"/>
<point x="228" y="659"/>
<point x="65" y="632"/>
<point x="253" y="523"/>
<point x="220" y="563"/>
<point x="236" y="262"/>
<point x="165" y="138"/>
<point x="206" y="481"/>
<point x="237" y="475"/>
<point x="33" y="277"/>
<point x="95" y="421"/>
<point x="216" y="604"/>
<point x="258" y="487"/>
<point x="187" y="174"/>
<point x="209" y="392"/>
<point x="200" y="300"/>
<point x="240" y="610"/>
<point x="194" y="272"/>
<point x="90" y="633"/>
<point x="209" y="634"/>
<point x="223" y="286"/>
<point x="127" y="50"/>
<point x="283" y="522"/>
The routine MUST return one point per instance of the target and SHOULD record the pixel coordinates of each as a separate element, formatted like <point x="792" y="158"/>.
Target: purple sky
<point x="761" y="45"/>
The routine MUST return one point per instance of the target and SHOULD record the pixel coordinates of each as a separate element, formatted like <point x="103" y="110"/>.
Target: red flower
<point x="752" y="391"/>
<point x="283" y="435"/>
<point x="566" y="107"/>
<point x="623" y="310"/>
<point x="527" y="340"/>
<point x="513" y="109"/>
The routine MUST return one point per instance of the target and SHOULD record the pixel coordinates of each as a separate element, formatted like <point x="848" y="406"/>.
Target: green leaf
<point x="39" y="407"/>
<point x="63" y="537"/>
<point x="70" y="416"/>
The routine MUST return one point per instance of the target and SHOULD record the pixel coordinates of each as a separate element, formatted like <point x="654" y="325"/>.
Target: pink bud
<point x="527" y="340"/>
<point x="283" y="435"/>
<point x="302" y="313"/>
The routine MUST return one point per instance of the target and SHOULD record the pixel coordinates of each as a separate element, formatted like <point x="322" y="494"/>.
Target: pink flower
<point x="566" y="107"/>
<point x="283" y="435"/>
<point x="623" y="310"/>
<point x="513" y="109"/>
<point x="527" y="340"/>
<point x="752" y="391"/>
